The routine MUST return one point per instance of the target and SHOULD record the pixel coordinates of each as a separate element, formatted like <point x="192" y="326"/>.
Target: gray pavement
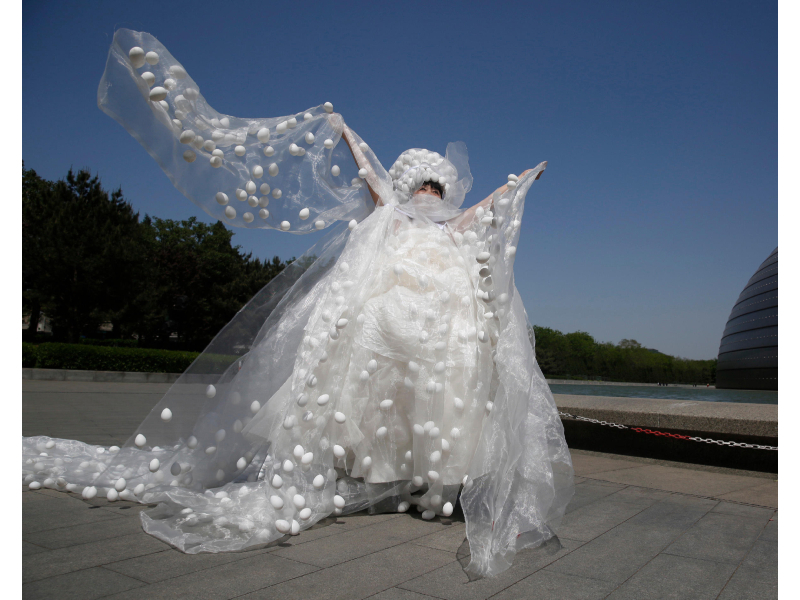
<point x="636" y="528"/>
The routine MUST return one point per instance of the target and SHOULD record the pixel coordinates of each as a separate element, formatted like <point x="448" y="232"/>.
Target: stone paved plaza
<point x="636" y="528"/>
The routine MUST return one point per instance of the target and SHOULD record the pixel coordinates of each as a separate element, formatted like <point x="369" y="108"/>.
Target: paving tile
<point x="770" y="532"/>
<point x="743" y="510"/>
<point x="449" y="539"/>
<point x="171" y="563"/>
<point x="28" y="549"/>
<point x="331" y="550"/>
<point x="596" y="518"/>
<point x="86" y="584"/>
<point x="587" y="464"/>
<point x="399" y="594"/>
<point x="361" y="577"/>
<point x="640" y="496"/>
<point x="761" y="563"/>
<point x="677" y="577"/>
<point x="73" y="558"/>
<point x="618" y="554"/>
<point x="765" y="494"/>
<point x="73" y="535"/>
<point x="719" y="537"/>
<point x="546" y="585"/>
<point x="40" y="514"/>
<point x="684" y="481"/>
<point x="229" y="580"/>
<point x="589" y="491"/>
<point x="451" y="582"/>
<point x="743" y="588"/>
<point x="757" y="576"/>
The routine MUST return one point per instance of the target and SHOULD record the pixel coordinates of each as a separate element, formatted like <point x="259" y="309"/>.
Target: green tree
<point x="81" y="247"/>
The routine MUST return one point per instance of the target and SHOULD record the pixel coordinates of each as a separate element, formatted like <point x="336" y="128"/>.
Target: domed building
<point x="748" y="351"/>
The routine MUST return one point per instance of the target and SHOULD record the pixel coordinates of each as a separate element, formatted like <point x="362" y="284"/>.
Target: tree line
<point x="579" y="355"/>
<point x="88" y="259"/>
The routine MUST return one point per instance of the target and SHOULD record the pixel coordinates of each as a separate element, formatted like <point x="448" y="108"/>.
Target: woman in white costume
<point x="389" y="367"/>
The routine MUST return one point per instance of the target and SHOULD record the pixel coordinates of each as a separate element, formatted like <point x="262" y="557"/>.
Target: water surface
<point x="669" y="393"/>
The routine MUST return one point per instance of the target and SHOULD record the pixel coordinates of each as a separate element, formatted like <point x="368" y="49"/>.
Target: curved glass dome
<point x="748" y="350"/>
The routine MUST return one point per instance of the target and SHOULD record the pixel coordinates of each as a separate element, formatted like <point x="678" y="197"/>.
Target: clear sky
<point x="659" y="121"/>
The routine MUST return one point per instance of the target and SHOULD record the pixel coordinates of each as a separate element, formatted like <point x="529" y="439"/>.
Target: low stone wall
<point x="724" y="421"/>
<point x="120" y="376"/>
<point x="724" y="418"/>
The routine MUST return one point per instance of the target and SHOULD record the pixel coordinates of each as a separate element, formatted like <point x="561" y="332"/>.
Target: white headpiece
<point x="416" y="166"/>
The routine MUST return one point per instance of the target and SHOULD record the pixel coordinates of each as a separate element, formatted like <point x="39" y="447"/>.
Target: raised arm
<point x="462" y="222"/>
<point x="362" y="163"/>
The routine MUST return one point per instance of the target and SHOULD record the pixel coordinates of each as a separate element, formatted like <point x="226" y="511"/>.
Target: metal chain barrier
<point x="676" y="436"/>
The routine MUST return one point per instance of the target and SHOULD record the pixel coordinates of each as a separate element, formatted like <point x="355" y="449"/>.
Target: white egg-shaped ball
<point x="230" y="212"/>
<point x="276" y="193"/>
<point x="339" y="417"/>
<point x="34" y="485"/>
<point x="263" y="213"/>
<point x="240" y="150"/>
<point x="304" y="213"/>
<point x="273" y="169"/>
<point x="319" y="482"/>
<point x="328" y="143"/>
<point x="136" y="55"/>
<point x="319" y="224"/>
<point x="157" y="94"/>
<point x="283" y="526"/>
<point x="285" y="225"/>
<point x="149" y="78"/>
<point x="166" y="415"/>
<point x="216" y="162"/>
<point x="269" y="151"/>
<point x="154" y="465"/>
<point x="276" y="501"/>
<point x="192" y="442"/>
<point x="362" y="173"/>
<point x="338" y="501"/>
<point x="255" y="406"/>
<point x="248" y="217"/>
<point x="277" y="481"/>
<point x="338" y="451"/>
<point x="258" y="171"/>
<point x="151" y="58"/>
<point x="112" y="495"/>
<point x="177" y="71"/>
<point x="140" y="440"/>
<point x="222" y="199"/>
<point x="328" y="107"/>
<point x="90" y="492"/>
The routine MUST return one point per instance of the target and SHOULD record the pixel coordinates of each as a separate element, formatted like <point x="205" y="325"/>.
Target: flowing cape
<point x="201" y="454"/>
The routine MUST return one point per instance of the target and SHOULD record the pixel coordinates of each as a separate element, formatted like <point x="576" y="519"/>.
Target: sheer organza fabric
<point x="390" y="366"/>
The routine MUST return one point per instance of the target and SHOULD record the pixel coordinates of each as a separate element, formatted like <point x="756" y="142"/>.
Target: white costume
<point x="390" y="366"/>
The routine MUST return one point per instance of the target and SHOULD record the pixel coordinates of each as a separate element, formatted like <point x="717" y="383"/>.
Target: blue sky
<point x="659" y="121"/>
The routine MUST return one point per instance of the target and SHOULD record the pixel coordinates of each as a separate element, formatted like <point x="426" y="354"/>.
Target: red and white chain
<point x="677" y="436"/>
